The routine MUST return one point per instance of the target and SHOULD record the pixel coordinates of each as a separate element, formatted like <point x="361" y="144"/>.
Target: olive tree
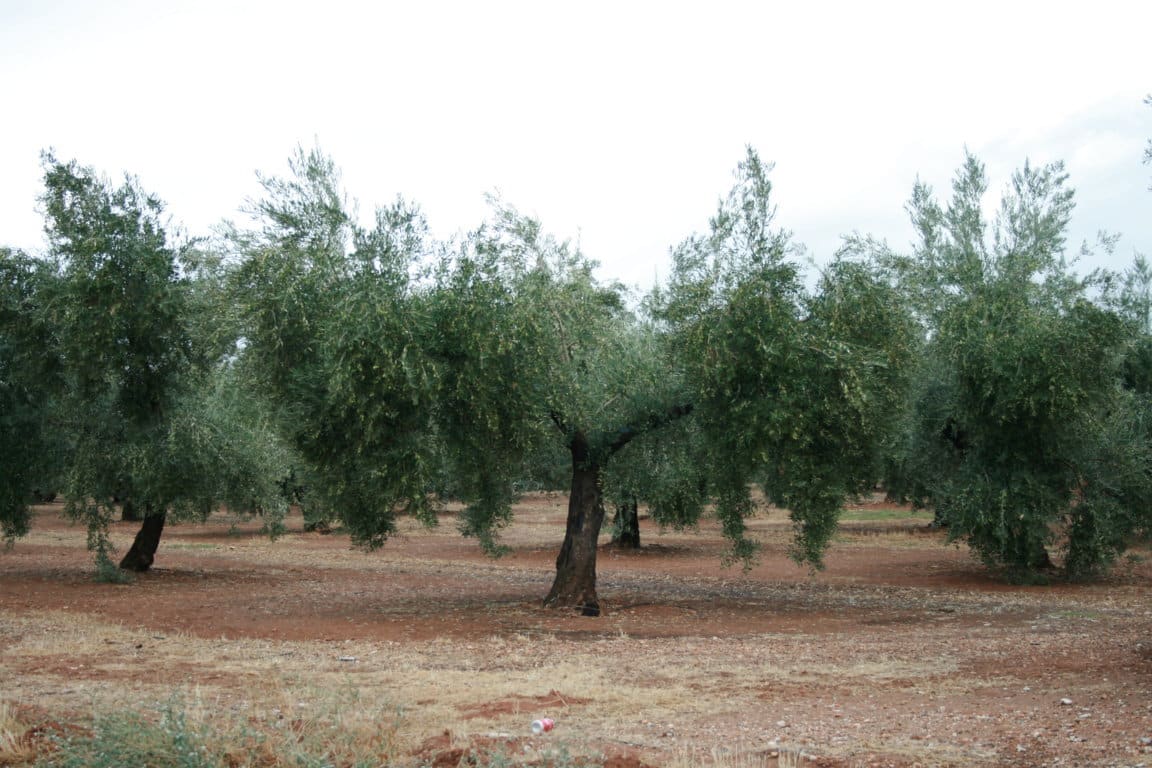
<point x="335" y="325"/>
<point x="147" y="411"/>
<point x="398" y="358"/>
<point x="685" y="401"/>
<point x="793" y="389"/>
<point x="1020" y="433"/>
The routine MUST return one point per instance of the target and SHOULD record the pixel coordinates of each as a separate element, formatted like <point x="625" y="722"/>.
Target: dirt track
<point x="903" y="652"/>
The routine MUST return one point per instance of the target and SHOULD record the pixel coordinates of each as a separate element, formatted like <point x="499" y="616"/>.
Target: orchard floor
<point x="903" y="652"/>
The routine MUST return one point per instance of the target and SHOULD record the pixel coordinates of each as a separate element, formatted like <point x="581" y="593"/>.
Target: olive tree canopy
<point x="399" y="358"/>
<point x="1021" y="431"/>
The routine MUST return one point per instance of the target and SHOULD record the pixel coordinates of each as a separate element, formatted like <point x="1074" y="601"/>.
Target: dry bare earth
<point x="903" y="652"/>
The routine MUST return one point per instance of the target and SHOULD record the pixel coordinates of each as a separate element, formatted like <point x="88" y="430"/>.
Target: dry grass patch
<point x="901" y="652"/>
<point x="16" y="747"/>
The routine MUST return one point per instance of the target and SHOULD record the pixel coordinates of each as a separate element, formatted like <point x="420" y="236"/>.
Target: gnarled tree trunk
<point x="575" y="583"/>
<point x="143" y="551"/>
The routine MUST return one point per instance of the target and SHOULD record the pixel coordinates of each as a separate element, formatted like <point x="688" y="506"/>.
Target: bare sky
<point x="617" y="123"/>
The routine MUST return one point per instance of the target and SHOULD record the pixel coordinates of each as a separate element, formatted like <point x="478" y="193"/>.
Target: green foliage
<point x="144" y="401"/>
<point x="120" y="307"/>
<point x="107" y="571"/>
<point x="403" y="366"/>
<point x="1017" y="410"/>
<point x="398" y="363"/>
<point x="791" y="389"/>
<point x="667" y="469"/>
<point x="118" y="313"/>
<point x="127" y="738"/>
<point x="28" y="453"/>
<point x="548" y="468"/>
<point x="1129" y="295"/>
<point x="222" y="447"/>
<point x="335" y="326"/>
<point x="491" y="356"/>
<point x="353" y="733"/>
<point x="580" y="362"/>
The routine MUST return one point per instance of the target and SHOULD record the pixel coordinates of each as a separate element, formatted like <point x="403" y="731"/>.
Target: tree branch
<point x="654" y="421"/>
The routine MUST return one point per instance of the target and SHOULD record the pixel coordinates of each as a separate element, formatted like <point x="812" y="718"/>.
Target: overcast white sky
<point x="618" y="123"/>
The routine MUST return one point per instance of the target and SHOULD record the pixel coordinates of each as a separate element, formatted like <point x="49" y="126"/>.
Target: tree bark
<point x="627" y="525"/>
<point x="143" y="551"/>
<point x="575" y="583"/>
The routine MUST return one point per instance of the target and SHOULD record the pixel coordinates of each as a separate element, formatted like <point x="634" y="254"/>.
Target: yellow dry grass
<point x="15" y="749"/>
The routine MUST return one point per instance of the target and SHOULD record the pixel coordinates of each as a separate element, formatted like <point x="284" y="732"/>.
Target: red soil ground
<point x="966" y="670"/>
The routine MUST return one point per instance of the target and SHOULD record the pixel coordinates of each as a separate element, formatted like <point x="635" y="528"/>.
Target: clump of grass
<point x="1075" y="614"/>
<point x="107" y="571"/>
<point x="128" y="738"/>
<point x="329" y="728"/>
<point x="558" y="757"/>
<point x="716" y="757"/>
<point x="15" y="749"/>
<point x="346" y="733"/>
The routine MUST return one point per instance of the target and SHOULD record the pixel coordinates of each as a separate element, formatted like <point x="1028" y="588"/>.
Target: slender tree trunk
<point x="938" y="519"/>
<point x="129" y="513"/>
<point x="575" y="583"/>
<point x="1036" y="555"/>
<point x="627" y="525"/>
<point x="143" y="551"/>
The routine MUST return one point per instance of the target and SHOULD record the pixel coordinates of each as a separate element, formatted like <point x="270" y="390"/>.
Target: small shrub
<point x="107" y="572"/>
<point x="129" y="739"/>
<point x="343" y="732"/>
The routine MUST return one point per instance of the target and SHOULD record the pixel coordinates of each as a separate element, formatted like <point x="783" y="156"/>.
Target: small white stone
<point x="1066" y="702"/>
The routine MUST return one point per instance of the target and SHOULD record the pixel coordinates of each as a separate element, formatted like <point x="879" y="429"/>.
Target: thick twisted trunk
<point x="575" y="583"/>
